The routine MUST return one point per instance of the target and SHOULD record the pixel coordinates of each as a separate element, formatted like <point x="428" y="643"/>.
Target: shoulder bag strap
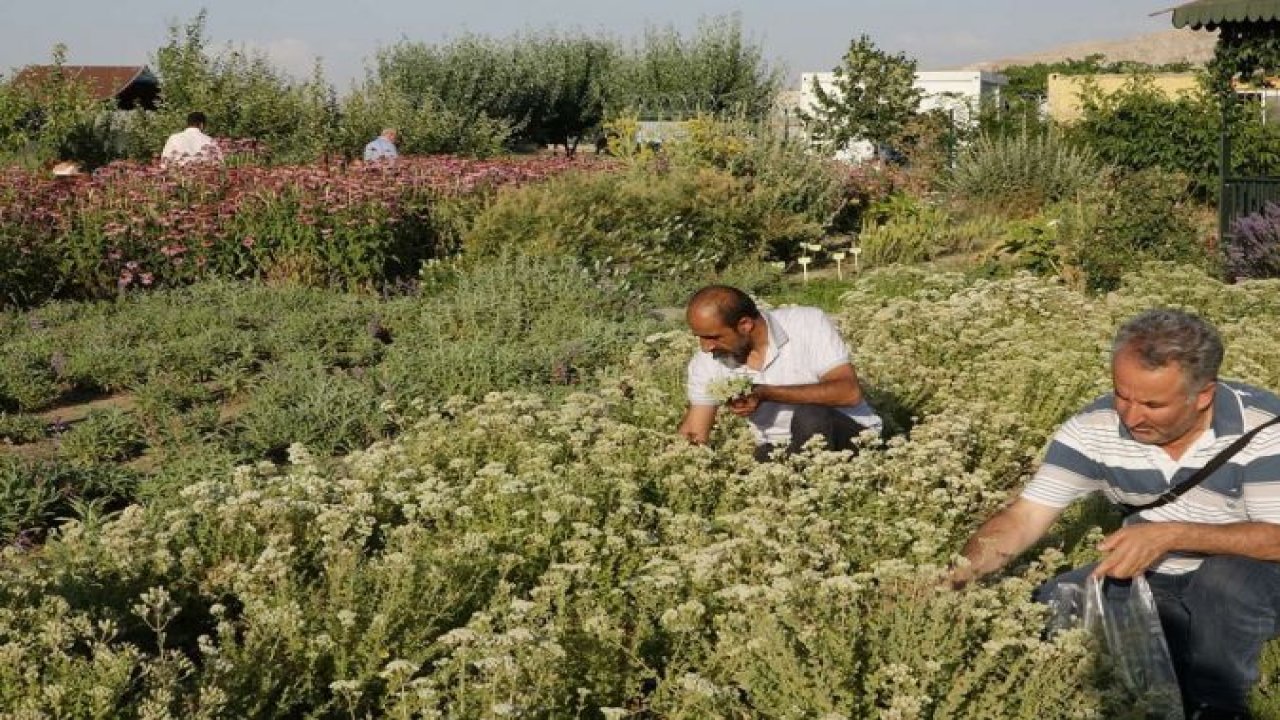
<point x="1199" y="476"/>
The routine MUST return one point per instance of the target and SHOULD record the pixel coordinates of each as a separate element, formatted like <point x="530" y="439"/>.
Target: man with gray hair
<point x="382" y="147"/>
<point x="1188" y="458"/>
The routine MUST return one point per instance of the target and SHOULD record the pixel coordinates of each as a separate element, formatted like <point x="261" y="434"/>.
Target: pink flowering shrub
<point x="133" y="226"/>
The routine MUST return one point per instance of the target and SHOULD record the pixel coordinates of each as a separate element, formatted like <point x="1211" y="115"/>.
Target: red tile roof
<point x="104" y="81"/>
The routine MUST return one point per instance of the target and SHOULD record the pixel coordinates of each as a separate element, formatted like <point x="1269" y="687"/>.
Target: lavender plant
<point x="1253" y="246"/>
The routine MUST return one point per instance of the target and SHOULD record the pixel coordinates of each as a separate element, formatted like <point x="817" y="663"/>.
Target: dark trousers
<point x="1215" y="620"/>
<point x="808" y="421"/>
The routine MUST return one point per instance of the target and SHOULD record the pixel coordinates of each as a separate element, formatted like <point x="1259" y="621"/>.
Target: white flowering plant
<point x="730" y="387"/>
<point x="528" y="554"/>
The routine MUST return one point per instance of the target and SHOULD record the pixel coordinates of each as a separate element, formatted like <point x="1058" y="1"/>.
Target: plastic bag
<point x="1128" y="625"/>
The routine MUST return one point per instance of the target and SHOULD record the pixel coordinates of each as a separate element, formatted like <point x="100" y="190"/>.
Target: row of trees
<point x="475" y="94"/>
<point x="479" y="95"/>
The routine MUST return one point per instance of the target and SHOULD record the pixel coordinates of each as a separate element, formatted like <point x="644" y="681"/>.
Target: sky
<point x="798" y="35"/>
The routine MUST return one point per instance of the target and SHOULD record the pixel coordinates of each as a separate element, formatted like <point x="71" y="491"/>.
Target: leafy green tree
<point x="53" y="118"/>
<point x="575" y="90"/>
<point x="242" y="93"/>
<point x="872" y="98"/>
<point x="543" y="88"/>
<point x="718" y="72"/>
<point x="1140" y="127"/>
<point x="426" y="126"/>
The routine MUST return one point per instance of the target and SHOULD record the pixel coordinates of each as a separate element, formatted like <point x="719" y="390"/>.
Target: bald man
<point x="803" y="382"/>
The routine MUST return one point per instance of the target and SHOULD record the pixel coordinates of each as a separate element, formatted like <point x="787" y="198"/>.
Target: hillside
<point x="1157" y="48"/>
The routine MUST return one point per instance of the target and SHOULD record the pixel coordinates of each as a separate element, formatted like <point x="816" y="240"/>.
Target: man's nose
<point x="1132" y="414"/>
<point x="706" y="345"/>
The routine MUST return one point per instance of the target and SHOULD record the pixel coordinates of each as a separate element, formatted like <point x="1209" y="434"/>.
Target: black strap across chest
<point x="1200" y="475"/>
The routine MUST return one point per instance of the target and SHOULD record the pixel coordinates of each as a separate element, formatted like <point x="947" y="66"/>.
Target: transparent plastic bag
<point x="1130" y="632"/>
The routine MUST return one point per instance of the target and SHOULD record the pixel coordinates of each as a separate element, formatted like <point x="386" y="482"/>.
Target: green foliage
<point x="512" y="321"/>
<point x="1139" y="128"/>
<point x="786" y="176"/>
<point x="645" y="220"/>
<point x="1245" y="51"/>
<point x="550" y="88"/>
<point x="1021" y="173"/>
<point x="1146" y="216"/>
<point x="1092" y="241"/>
<point x="20" y="428"/>
<point x="54" y="118"/>
<point x="921" y="233"/>
<point x="540" y="88"/>
<point x="723" y="193"/>
<point x="300" y="400"/>
<point x="36" y="494"/>
<point x="242" y="94"/>
<point x="872" y="98"/>
<point x="717" y="72"/>
<point x="104" y="436"/>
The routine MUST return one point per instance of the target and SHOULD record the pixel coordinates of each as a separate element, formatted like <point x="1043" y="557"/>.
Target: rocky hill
<point x="1157" y="48"/>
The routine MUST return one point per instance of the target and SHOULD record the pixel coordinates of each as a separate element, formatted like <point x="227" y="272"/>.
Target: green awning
<point x="1202" y="13"/>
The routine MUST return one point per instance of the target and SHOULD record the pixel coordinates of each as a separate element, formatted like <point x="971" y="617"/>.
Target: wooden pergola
<point x="1246" y="29"/>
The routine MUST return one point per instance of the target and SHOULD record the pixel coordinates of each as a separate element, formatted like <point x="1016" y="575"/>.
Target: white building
<point x="959" y="93"/>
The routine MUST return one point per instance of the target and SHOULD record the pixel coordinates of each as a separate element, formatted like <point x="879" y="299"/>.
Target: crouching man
<point x="803" y="384"/>
<point x="1207" y="540"/>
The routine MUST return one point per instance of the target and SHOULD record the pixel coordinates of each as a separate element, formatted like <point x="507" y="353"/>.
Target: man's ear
<point x="1204" y="398"/>
<point x="746" y="324"/>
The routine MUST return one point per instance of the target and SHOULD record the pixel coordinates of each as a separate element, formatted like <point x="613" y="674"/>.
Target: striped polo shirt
<point x="1094" y="452"/>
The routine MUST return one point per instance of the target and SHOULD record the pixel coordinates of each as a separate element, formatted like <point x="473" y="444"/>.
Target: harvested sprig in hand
<point x="730" y="388"/>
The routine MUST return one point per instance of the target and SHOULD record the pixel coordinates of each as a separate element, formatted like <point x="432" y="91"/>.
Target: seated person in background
<point x="803" y="382"/>
<point x="382" y="147"/>
<point x="191" y="145"/>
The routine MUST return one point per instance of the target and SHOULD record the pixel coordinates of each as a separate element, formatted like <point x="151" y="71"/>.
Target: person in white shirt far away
<point x="191" y="145"/>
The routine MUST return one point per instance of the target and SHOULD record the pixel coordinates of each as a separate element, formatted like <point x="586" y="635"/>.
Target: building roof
<point x="1211" y="13"/>
<point x="106" y="82"/>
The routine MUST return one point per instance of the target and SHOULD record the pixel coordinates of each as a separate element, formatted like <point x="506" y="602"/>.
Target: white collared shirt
<point x="190" y="145"/>
<point x="804" y="345"/>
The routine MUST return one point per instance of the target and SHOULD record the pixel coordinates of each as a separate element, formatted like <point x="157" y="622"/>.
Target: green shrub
<point x="512" y="321"/>
<point x="299" y="400"/>
<point x="1139" y="217"/>
<point x="36" y="494"/>
<point x="924" y="232"/>
<point x="783" y="174"/>
<point x="1140" y="128"/>
<point x="651" y="220"/>
<point x="1020" y="173"/>
<point x="104" y="436"/>
<point x="19" y="428"/>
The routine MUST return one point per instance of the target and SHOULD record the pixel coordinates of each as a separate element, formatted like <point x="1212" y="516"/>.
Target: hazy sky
<point x="800" y="35"/>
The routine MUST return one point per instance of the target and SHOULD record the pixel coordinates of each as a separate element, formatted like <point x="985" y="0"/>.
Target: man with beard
<point x="803" y="384"/>
<point x="1205" y="534"/>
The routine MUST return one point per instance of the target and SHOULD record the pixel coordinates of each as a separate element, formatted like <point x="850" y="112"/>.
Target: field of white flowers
<point x="517" y="557"/>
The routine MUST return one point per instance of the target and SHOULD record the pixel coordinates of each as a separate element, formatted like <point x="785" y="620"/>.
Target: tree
<point x="872" y="98"/>
<point x="718" y="72"/>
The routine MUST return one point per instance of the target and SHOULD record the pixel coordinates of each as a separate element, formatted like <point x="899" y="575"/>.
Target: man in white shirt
<point x="803" y="382"/>
<point x="190" y="145"/>
<point x="382" y="147"/>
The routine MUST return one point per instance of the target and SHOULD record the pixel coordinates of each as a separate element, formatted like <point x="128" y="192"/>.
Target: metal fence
<point x="1244" y="196"/>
